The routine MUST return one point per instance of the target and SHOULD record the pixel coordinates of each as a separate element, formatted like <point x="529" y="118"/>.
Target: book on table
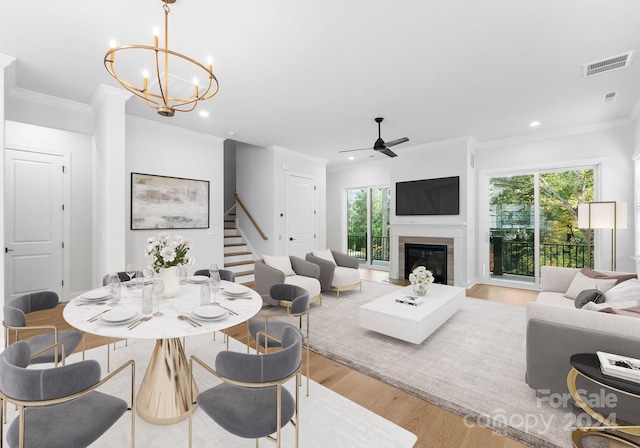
<point x="618" y="366"/>
<point x="409" y="300"/>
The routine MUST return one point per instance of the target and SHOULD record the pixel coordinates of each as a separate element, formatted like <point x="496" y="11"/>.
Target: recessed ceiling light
<point x="351" y="158"/>
<point x="204" y="113"/>
<point x="533" y="124"/>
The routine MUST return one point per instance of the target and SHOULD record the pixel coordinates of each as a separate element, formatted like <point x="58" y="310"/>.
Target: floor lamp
<point x="602" y="215"/>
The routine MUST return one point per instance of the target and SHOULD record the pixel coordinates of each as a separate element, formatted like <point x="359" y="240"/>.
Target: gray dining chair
<point x="15" y="319"/>
<point x="225" y="274"/>
<point x="251" y="401"/>
<point x="272" y="324"/>
<point x="59" y="407"/>
<point x="123" y="277"/>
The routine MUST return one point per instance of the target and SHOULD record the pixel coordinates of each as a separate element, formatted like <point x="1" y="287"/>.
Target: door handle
<point x="6" y="249"/>
<point x="290" y="239"/>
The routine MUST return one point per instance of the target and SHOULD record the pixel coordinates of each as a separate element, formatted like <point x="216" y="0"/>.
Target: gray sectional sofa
<point x="556" y="329"/>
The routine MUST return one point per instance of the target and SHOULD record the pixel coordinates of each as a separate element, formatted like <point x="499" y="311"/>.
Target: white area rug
<point x="473" y="365"/>
<point x="327" y="419"/>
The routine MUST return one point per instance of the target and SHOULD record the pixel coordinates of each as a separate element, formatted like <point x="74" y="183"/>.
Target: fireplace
<point x="431" y="256"/>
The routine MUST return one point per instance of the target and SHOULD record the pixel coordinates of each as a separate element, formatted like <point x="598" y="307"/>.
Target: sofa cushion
<point x="627" y="290"/>
<point x="281" y="263"/>
<point x="555" y="298"/>
<point x="618" y="277"/>
<point x="589" y="295"/>
<point x="345" y="277"/>
<point x="324" y="254"/>
<point x="581" y="282"/>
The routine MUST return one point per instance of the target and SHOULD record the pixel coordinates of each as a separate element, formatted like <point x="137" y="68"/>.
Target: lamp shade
<point x="602" y="215"/>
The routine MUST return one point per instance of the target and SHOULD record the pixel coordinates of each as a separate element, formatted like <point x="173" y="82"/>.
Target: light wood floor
<point x="434" y="427"/>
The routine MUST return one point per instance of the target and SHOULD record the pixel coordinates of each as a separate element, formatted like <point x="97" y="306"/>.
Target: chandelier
<point x="168" y="92"/>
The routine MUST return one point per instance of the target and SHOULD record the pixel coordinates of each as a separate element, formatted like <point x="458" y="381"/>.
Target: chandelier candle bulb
<point x="156" y="34"/>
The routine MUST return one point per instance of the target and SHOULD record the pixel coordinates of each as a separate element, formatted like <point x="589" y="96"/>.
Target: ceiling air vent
<point x="608" y="97"/>
<point x="607" y="64"/>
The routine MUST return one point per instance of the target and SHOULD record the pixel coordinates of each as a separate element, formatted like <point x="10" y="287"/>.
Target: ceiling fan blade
<point x="396" y="142"/>
<point x="388" y="152"/>
<point x="351" y="150"/>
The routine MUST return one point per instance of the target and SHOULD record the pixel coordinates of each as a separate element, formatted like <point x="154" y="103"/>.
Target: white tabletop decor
<point x="421" y="278"/>
<point x="166" y="255"/>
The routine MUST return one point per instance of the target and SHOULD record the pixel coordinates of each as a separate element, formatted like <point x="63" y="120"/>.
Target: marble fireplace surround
<point x="450" y="235"/>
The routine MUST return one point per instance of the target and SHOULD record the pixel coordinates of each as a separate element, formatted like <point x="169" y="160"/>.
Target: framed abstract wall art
<point x="162" y="202"/>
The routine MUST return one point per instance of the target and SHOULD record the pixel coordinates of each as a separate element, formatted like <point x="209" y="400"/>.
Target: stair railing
<point x="255" y="224"/>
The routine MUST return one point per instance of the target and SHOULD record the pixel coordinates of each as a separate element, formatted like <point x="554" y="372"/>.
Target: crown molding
<point x="300" y="155"/>
<point x="555" y="134"/>
<point x="150" y="124"/>
<point x="48" y="100"/>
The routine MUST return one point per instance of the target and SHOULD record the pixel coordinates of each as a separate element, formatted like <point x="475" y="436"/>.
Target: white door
<point x="34" y="222"/>
<point x="302" y="215"/>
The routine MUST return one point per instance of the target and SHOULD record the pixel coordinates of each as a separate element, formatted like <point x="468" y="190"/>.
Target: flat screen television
<point x="428" y="197"/>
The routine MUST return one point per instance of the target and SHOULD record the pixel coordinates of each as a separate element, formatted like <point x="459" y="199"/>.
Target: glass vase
<point x="420" y="289"/>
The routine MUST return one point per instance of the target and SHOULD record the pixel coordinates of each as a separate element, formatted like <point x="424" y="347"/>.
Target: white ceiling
<point x="312" y="76"/>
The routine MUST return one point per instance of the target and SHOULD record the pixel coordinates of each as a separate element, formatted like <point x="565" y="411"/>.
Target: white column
<point x="109" y="174"/>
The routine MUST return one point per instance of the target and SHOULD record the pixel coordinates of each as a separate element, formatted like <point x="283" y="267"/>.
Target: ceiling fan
<point x="380" y="144"/>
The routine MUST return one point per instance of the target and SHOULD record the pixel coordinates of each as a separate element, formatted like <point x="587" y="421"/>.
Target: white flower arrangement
<point x="421" y="276"/>
<point x="165" y="253"/>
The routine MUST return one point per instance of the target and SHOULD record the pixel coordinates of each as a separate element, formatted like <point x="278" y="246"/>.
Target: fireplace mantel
<point x="455" y="233"/>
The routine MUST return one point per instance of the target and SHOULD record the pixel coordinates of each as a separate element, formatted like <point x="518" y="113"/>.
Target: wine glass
<point x="158" y="289"/>
<point x="130" y="270"/>
<point x="113" y="281"/>
<point x="214" y="283"/>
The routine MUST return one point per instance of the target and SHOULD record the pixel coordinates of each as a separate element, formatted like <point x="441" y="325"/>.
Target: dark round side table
<point x="588" y="366"/>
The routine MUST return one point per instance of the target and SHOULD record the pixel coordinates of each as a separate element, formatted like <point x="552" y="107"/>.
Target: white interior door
<point x="302" y="215"/>
<point x="34" y="222"/>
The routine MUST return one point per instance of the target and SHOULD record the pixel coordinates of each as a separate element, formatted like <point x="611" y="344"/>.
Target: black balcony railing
<point x="357" y="247"/>
<point x="518" y="257"/>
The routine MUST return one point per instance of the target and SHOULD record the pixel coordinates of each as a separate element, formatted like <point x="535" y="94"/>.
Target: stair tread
<point x="235" y="244"/>
<point x="243" y="273"/>
<point x="239" y="263"/>
<point x="233" y="236"/>
<point x="236" y="254"/>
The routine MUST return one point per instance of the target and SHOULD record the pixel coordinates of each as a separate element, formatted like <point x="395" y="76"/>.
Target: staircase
<point x="237" y="256"/>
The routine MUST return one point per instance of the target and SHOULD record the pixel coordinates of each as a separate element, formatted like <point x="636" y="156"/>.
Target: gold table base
<point x="163" y="398"/>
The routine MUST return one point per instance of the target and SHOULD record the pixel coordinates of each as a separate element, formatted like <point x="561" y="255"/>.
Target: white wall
<point x="164" y="150"/>
<point x="609" y="147"/>
<point x="262" y="176"/>
<point x="79" y="146"/>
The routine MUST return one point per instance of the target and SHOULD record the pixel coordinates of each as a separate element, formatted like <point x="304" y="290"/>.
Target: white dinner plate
<point x="118" y="315"/>
<point x="212" y="319"/>
<point x="96" y="294"/>
<point x="208" y="311"/>
<point x="235" y="290"/>
<point x="198" y="279"/>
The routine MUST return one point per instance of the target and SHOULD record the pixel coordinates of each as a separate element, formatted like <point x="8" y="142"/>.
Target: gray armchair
<point x="341" y="274"/>
<point x="306" y="275"/>
<point x="40" y="345"/>
<point x="251" y="401"/>
<point x="58" y="408"/>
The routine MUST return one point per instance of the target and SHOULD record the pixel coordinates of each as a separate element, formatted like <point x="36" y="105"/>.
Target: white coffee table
<point x="412" y="323"/>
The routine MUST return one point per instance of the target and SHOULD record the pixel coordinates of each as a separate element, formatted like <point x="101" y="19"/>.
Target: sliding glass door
<point x="368" y="225"/>
<point x="533" y="222"/>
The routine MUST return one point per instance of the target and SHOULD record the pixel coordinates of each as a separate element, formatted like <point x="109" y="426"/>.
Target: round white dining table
<point x="163" y="397"/>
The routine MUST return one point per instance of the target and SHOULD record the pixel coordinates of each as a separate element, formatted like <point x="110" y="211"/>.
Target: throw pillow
<point x="325" y="255"/>
<point x="581" y="282"/>
<point x="589" y="295"/>
<point x="281" y="263"/>
<point x="619" y="277"/>
<point x="628" y="290"/>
